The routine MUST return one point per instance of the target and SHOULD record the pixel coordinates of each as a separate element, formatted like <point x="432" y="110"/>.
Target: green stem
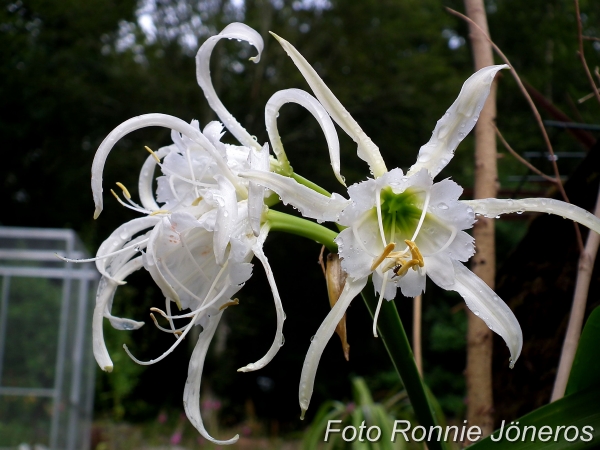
<point x="296" y="225"/>
<point x="309" y="184"/>
<point x="391" y="331"/>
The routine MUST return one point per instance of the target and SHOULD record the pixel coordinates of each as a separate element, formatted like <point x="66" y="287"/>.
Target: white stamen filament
<point x="453" y="233"/>
<point x="108" y="255"/>
<point x="423" y="213"/>
<point x="166" y="330"/>
<point x="376" y="315"/>
<point x="138" y="209"/>
<point x="172" y="187"/>
<point x="190" y="314"/>
<point x="379" y="219"/>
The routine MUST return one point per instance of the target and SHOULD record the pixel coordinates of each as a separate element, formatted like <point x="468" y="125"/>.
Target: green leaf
<point x="578" y="410"/>
<point x="391" y="331"/>
<point x="586" y="365"/>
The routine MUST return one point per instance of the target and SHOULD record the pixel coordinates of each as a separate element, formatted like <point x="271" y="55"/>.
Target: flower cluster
<point x="397" y="228"/>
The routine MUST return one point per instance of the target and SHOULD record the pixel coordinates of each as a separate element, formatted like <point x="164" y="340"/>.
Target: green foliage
<point x="586" y="365"/>
<point x="577" y="410"/>
<point x="363" y="409"/>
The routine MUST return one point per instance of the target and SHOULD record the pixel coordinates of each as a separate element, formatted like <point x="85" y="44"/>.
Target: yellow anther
<point x="115" y="194"/>
<point x="153" y="153"/>
<point x="386" y="251"/>
<point x="160" y="211"/>
<point x="415" y="252"/>
<point x="197" y="201"/>
<point x="124" y="189"/>
<point x="235" y="301"/>
<point x="400" y="271"/>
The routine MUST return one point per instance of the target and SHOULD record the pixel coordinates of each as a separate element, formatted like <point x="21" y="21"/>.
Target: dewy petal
<point x="367" y="150"/>
<point x="485" y="304"/>
<point x="106" y="292"/>
<point x="150" y="264"/>
<point x="226" y="217"/>
<point x="257" y="249"/>
<point x="150" y="120"/>
<point x="307" y="379"/>
<point x="191" y="393"/>
<point x="237" y="31"/>
<point x="457" y="122"/>
<point x="147" y="178"/>
<point x="493" y="207"/>
<point x="119" y="238"/>
<point x="306" y="100"/>
<point x="259" y="160"/>
<point x="310" y="203"/>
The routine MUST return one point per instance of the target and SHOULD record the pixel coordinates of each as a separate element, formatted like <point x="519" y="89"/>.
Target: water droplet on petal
<point x="312" y="338"/>
<point x="442" y="206"/>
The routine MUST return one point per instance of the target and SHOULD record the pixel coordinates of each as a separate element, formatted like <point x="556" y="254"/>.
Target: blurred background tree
<point x="73" y="70"/>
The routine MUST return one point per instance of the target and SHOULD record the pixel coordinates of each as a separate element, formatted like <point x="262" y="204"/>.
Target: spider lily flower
<point x="198" y="244"/>
<point x="401" y="227"/>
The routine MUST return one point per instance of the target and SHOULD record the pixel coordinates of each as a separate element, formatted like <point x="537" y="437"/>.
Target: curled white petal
<point x="457" y="122"/>
<point x="313" y="106"/>
<point x="106" y="292"/>
<point x="257" y="249"/>
<point x="259" y="160"/>
<point x="191" y="392"/>
<point x="147" y="177"/>
<point x="308" y="202"/>
<point x="232" y="31"/>
<point x="150" y="120"/>
<point x="493" y="207"/>
<point x="118" y="239"/>
<point x="484" y="302"/>
<point x="367" y="150"/>
<point x="309" y="369"/>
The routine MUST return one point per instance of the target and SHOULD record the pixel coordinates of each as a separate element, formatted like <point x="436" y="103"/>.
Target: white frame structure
<point x="31" y="253"/>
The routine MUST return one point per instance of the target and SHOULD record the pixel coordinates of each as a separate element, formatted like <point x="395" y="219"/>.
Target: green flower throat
<point x="400" y="210"/>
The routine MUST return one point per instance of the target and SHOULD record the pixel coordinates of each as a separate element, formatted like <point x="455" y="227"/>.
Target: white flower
<point x="402" y="227"/>
<point x="198" y="244"/>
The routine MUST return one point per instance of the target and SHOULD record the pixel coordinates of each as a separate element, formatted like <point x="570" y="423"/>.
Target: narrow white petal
<point x="120" y="323"/>
<point x="257" y="249"/>
<point x="147" y="178"/>
<point x="237" y="31"/>
<point x="226" y="217"/>
<point x="367" y="150"/>
<point x="191" y="393"/>
<point x="484" y="302"/>
<point x="148" y="120"/>
<point x="104" y="296"/>
<point x="310" y="203"/>
<point x="259" y="160"/>
<point x="493" y="207"/>
<point x="457" y="122"/>
<point x="306" y="100"/>
<point x="307" y="379"/>
<point x="119" y="238"/>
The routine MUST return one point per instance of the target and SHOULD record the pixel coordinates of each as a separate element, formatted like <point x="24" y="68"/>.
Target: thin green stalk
<point x="309" y="184"/>
<point x="296" y="225"/>
<point x="391" y="331"/>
